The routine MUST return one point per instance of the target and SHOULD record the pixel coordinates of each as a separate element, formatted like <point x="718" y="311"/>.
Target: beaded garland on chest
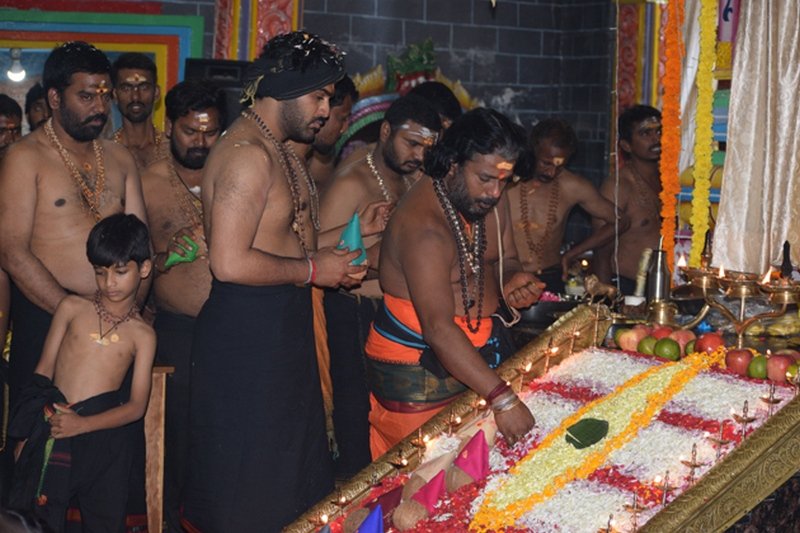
<point x="292" y="178"/>
<point x="190" y="204"/>
<point x="381" y="183"/>
<point x="104" y="315"/>
<point x="91" y="195"/>
<point x="537" y="247"/>
<point x="159" y="140"/>
<point x="466" y="258"/>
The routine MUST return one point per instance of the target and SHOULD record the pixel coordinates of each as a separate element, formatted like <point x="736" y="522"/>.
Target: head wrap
<point x="292" y="65"/>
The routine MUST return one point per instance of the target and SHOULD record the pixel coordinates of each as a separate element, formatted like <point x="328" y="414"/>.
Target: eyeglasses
<point x="140" y="87"/>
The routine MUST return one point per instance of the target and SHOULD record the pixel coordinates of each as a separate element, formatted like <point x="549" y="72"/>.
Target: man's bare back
<point x="46" y="221"/>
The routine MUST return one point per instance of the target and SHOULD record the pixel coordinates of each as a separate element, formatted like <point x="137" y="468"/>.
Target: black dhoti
<point x="258" y="453"/>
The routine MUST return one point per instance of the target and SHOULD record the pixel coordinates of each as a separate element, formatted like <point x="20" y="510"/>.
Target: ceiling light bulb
<point x="16" y="73"/>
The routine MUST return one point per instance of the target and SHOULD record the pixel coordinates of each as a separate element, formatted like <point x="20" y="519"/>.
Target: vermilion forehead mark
<point x="428" y="136"/>
<point x="136" y="78"/>
<point x="204" y="119"/>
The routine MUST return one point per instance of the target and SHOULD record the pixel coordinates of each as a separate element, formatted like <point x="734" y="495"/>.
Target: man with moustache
<point x="171" y="186"/>
<point x="55" y="184"/>
<point x="10" y="123"/>
<point x="447" y="260"/>
<point x="384" y="174"/>
<point x="542" y="202"/>
<point x="637" y="196"/>
<point x="136" y="91"/>
<point x="36" y="110"/>
<point x="258" y="447"/>
<point x="322" y="153"/>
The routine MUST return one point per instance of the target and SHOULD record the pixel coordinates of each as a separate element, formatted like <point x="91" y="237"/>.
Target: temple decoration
<point x="640" y="53"/>
<point x="242" y="27"/>
<point x="703" y="134"/>
<point x="671" y="128"/>
<point x="168" y="39"/>
<point x="377" y="90"/>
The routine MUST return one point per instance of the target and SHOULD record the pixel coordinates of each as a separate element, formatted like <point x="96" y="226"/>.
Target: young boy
<point x="81" y="447"/>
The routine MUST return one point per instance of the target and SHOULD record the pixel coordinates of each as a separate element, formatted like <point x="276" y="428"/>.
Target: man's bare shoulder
<point x="27" y="151"/>
<point x="117" y="152"/>
<point x="155" y="172"/>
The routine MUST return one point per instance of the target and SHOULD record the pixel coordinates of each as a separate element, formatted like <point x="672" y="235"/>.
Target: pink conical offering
<point x="430" y="493"/>
<point x="474" y="457"/>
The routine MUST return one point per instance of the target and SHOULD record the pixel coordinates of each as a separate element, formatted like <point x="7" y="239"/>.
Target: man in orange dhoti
<point x="444" y="255"/>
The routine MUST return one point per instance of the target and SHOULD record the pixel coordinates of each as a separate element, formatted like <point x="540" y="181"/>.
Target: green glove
<point x="190" y="253"/>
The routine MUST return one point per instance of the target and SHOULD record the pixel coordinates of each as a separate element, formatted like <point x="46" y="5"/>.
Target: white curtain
<point x="691" y="39"/>
<point x="760" y="200"/>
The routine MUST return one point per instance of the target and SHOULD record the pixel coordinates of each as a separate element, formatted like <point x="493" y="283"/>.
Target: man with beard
<point x="172" y="194"/>
<point x="10" y="123"/>
<point x="636" y="194"/>
<point x="258" y="447"/>
<point x="55" y="184"/>
<point x="444" y="271"/>
<point x="36" y="110"/>
<point x="384" y="174"/>
<point x="322" y="153"/>
<point x="542" y="202"/>
<point x="136" y="91"/>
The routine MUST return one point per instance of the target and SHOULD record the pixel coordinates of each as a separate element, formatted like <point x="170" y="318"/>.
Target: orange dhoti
<point x="406" y="388"/>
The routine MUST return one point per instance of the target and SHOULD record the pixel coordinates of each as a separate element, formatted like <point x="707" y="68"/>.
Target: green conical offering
<point x="351" y="239"/>
<point x="586" y="432"/>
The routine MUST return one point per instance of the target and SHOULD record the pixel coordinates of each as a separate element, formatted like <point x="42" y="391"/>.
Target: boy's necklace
<point x="104" y="314"/>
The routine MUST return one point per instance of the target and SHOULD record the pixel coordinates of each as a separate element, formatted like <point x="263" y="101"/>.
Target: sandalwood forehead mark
<point x="428" y="135"/>
<point x="204" y="121"/>
<point x="136" y="78"/>
<point x="558" y="161"/>
<point x="102" y="87"/>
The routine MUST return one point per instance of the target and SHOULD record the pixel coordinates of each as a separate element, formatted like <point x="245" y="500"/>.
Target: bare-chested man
<point x="136" y="92"/>
<point x="259" y="451"/>
<point x="36" y="110"/>
<point x="440" y="269"/>
<point x="54" y="185"/>
<point x="172" y="194"/>
<point x="541" y="204"/>
<point x="383" y="174"/>
<point x="10" y="123"/>
<point x="636" y="194"/>
<point x="322" y="156"/>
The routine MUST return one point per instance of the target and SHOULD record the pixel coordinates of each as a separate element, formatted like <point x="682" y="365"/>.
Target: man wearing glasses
<point x="136" y="92"/>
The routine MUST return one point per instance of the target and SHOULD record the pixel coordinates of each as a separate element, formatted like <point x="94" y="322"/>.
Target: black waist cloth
<point x="93" y="470"/>
<point x="175" y="333"/>
<point x="348" y="318"/>
<point x="258" y="448"/>
<point x="30" y="324"/>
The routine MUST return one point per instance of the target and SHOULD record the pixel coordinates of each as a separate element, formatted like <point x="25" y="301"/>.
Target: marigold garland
<point x="704" y="135"/>
<point x="671" y="126"/>
<point x="494" y="515"/>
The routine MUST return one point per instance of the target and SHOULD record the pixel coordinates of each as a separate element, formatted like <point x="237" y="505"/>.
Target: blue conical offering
<point x="373" y="523"/>
<point x="351" y="239"/>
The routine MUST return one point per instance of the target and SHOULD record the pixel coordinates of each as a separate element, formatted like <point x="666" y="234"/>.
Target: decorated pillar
<point x="242" y="27"/>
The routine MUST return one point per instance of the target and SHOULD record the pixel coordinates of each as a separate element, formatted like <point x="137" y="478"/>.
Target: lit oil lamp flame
<point x="721" y="271"/>
<point x="767" y="276"/>
<point x="528" y="367"/>
<point x="682" y="261"/>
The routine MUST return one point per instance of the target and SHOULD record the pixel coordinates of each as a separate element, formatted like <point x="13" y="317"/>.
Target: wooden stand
<point x="154" y="439"/>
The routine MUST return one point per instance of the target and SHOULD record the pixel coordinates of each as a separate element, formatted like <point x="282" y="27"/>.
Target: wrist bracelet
<point x="497" y="391"/>
<point x="313" y="270"/>
<point x="310" y="277"/>
<point x="507" y="406"/>
<point x="501" y="404"/>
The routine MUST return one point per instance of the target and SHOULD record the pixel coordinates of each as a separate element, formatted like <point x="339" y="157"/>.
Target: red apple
<point x="629" y="340"/>
<point x="737" y="360"/>
<point x="792" y="353"/>
<point x="708" y="342"/>
<point x="659" y="332"/>
<point x="777" y="365"/>
<point x="683" y="336"/>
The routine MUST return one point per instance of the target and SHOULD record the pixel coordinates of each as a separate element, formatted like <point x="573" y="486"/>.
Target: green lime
<point x="791" y="371"/>
<point x="757" y="367"/>
<point x="689" y="349"/>
<point x="668" y="349"/>
<point x="647" y="345"/>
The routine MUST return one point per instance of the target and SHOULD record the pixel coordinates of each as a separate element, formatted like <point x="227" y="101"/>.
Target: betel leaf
<point x="586" y="432"/>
